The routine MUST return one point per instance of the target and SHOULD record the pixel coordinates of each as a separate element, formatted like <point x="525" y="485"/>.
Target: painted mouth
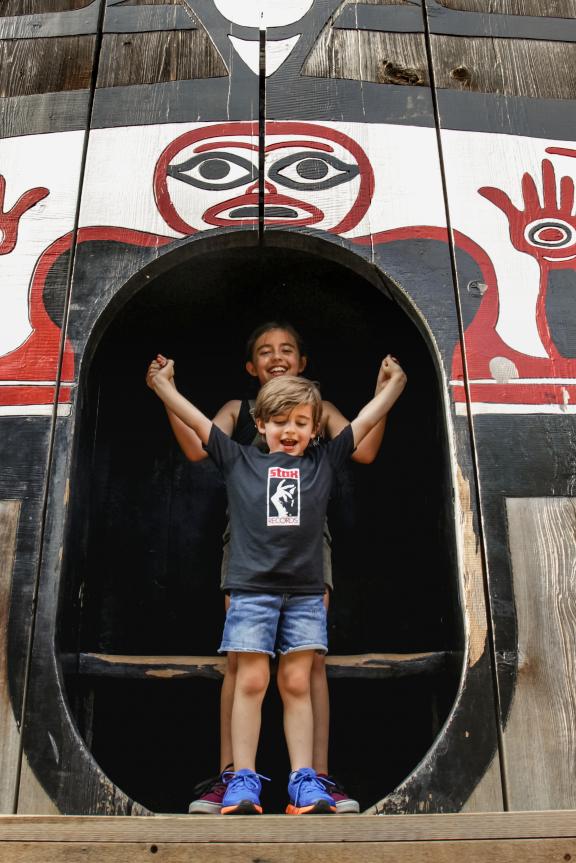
<point x="278" y="209"/>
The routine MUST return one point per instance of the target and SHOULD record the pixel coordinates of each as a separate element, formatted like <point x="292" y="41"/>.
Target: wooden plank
<point x="509" y="67"/>
<point x="366" y="665"/>
<point x="540" y="737"/>
<point x="552" y="8"/>
<point x="9" y="732"/>
<point x="32" y="798"/>
<point x="59" y="64"/>
<point x="536" y="850"/>
<point x="39" y="7"/>
<point x="363" y="55"/>
<point x="156" y="58"/>
<point x="278" y="829"/>
<point x="487" y="796"/>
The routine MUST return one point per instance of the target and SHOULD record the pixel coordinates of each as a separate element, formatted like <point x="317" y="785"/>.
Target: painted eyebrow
<point x="312" y="145"/>
<point x="221" y="145"/>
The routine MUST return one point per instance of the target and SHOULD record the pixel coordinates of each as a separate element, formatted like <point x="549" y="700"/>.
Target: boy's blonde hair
<point x="283" y="394"/>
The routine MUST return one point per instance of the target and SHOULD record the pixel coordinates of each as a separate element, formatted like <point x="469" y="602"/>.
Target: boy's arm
<point x="165" y="388"/>
<point x="187" y="439"/>
<point x="378" y="408"/>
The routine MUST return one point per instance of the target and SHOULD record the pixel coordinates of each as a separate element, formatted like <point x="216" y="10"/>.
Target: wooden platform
<point x="545" y="837"/>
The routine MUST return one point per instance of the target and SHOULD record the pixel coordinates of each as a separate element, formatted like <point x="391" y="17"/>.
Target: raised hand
<point x="160" y="364"/>
<point x="544" y="229"/>
<point x="10" y="219"/>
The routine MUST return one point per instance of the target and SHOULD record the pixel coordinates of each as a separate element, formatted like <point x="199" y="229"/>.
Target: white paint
<point x="249" y="51"/>
<point x="263" y="13"/>
<point x="477" y="408"/>
<point x="34" y="410"/>
<point x="278" y="51"/>
<point x="477" y="159"/>
<point x="52" y="161"/>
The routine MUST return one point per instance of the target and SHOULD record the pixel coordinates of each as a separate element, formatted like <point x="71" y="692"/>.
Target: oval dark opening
<point x="144" y="539"/>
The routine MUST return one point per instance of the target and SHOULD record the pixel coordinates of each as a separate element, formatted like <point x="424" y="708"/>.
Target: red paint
<point x="10" y="219"/>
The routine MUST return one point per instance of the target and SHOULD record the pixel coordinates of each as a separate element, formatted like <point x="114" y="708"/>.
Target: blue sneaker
<point x="242" y="795"/>
<point x="308" y="795"/>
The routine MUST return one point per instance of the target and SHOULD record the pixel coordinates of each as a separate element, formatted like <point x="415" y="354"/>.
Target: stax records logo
<point x="283" y="497"/>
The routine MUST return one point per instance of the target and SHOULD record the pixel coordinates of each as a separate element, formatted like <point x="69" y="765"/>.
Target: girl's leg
<point x="226" y="702"/>
<point x="252" y="680"/>
<point x="294" y="686"/>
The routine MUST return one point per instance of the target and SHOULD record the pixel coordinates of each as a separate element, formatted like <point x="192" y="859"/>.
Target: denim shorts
<point x="270" y="623"/>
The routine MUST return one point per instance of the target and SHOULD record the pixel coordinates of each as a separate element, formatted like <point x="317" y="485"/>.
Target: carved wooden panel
<point x="154" y="58"/>
<point x="519" y="67"/>
<point x="9" y="734"/>
<point x="52" y="65"/>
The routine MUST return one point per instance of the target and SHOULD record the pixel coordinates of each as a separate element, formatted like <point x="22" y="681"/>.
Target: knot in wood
<point x="461" y="73"/>
<point x="390" y="73"/>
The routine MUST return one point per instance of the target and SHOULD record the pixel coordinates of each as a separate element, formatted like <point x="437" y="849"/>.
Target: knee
<point x="294" y="682"/>
<point x="252" y="680"/>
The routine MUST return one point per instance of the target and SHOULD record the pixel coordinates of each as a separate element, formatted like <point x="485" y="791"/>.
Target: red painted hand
<point x="546" y="231"/>
<point x="10" y="219"/>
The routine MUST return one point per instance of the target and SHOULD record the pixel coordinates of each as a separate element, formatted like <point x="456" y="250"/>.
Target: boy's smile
<point x="275" y="354"/>
<point x="290" y="432"/>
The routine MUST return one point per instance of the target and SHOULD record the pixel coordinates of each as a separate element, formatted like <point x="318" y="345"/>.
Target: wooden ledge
<point x="282" y="828"/>
<point x="363" y="665"/>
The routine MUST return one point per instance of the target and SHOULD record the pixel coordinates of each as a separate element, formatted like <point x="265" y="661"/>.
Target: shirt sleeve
<point x="341" y="447"/>
<point x="221" y="449"/>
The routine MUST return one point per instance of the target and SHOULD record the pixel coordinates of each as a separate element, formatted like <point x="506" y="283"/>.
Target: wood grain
<point x="552" y="8"/>
<point x="363" y="55"/>
<point x="29" y="66"/>
<point x="540" y="737"/>
<point x="9" y="733"/>
<point x="509" y="67"/>
<point x="274" y="829"/>
<point x="487" y="796"/>
<point x="154" y="58"/>
<point x="32" y="798"/>
<point x="536" y="850"/>
<point x="8" y="8"/>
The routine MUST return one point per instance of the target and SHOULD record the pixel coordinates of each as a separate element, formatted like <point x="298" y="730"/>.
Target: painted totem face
<point x="208" y="178"/>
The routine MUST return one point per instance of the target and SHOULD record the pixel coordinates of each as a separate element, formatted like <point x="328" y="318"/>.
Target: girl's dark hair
<point x="274" y="325"/>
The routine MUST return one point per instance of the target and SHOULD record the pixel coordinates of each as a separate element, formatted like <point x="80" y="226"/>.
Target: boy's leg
<point x="294" y="686"/>
<point x="226" y="703"/>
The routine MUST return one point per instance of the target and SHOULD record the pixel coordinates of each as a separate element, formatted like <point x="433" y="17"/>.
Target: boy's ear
<point x="251" y="369"/>
<point x="260" y="425"/>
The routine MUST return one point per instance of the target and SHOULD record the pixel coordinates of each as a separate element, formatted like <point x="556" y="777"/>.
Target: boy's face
<point x="289" y="432"/>
<point x="275" y="353"/>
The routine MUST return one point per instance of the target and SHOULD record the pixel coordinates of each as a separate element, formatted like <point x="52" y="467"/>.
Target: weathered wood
<point x="32" y="798"/>
<point x="504" y="851"/>
<point x="487" y="796"/>
<point x="540" y="737"/>
<point x="275" y="829"/>
<point x="52" y="65"/>
<point x="368" y="665"/>
<point x="509" y="67"/>
<point x="9" y="732"/>
<point x="363" y="55"/>
<point x="155" y="58"/>
<point x="553" y="8"/>
<point x="41" y="7"/>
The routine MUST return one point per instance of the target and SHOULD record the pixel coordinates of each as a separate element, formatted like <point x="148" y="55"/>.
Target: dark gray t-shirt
<point x="277" y="504"/>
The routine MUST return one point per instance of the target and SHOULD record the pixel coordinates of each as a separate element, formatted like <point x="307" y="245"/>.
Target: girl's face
<point x="275" y="353"/>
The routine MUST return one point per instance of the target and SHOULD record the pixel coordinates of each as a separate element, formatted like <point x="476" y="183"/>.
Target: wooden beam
<point x="9" y="732"/>
<point x="366" y="665"/>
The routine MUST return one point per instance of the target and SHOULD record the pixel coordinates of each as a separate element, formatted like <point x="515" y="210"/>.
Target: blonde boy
<point x="277" y="504"/>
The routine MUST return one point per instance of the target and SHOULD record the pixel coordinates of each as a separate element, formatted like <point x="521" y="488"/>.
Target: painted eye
<point x="214" y="170"/>
<point x="550" y="234"/>
<point x="311" y="170"/>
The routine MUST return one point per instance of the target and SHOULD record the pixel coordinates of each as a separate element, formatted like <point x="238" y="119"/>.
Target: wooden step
<point x="362" y="665"/>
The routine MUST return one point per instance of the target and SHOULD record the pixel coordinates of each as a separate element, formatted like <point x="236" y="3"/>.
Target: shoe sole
<point x="204" y="808"/>
<point x="320" y="807"/>
<point x="245" y="807"/>
<point x="348" y="807"/>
